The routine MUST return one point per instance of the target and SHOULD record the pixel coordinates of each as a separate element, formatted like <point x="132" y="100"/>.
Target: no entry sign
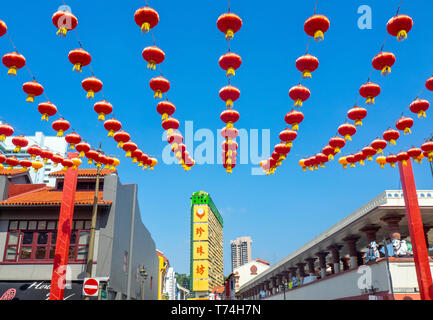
<point x="90" y="287"/>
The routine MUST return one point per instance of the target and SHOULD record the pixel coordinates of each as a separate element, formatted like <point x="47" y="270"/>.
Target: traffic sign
<point x="90" y="287"/>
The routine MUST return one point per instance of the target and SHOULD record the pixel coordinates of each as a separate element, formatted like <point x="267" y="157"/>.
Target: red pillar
<point x="58" y="279"/>
<point x="416" y="231"/>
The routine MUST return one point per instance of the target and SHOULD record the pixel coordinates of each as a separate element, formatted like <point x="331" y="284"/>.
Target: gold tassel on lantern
<point x="229" y="34"/>
<point x="62" y="32"/>
<point x="231" y="72"/>
<point x="12" y="71"/>
<point x="77" y="67"/>
<point x="101" y="117"/>
<point x="90" y="94"/>
<point x="407" y="131"/>
<point x="145" y="27"/>
<point x="30" y="98"/>
<point x="318" y="36"/>
<point x="402" y="35"/>
<point x="386" y="70"/>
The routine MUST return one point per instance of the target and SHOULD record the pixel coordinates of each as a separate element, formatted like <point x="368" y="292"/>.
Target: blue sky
<point x="280" y="212"/>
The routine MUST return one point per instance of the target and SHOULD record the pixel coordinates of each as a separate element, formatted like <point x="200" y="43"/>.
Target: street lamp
<point x="143" y="275"/>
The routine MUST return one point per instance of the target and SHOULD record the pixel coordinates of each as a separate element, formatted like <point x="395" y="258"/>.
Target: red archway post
<point x="416" y="231"/>
<point x="58" y="279"/>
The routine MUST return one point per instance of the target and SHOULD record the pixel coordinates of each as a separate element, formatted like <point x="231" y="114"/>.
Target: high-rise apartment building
<point x="206" y="246"/>
<point x="53" y="143"/>
<point x="241" y="251"/>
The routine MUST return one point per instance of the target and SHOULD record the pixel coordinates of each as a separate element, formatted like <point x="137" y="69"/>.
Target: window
<point x="35" y="240"/>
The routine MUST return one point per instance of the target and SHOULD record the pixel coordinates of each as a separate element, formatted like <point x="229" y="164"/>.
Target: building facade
<point x="28" y="226"/>
<point x="240" y="251"/>
<point x="53" y="143"/>
<point x="163" y="266"/>
<point x="367" y="255"/>
<point x="207" y="269"/>
<point x="170" y="284"/>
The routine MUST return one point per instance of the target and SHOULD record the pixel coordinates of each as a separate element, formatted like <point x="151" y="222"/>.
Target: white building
<point x="343" y="262"/>
<point x="240" y="251"/>
<point x="53" y="143"/>
<point x="170" y="284"/>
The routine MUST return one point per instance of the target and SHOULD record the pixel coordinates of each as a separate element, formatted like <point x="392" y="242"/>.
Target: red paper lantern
<point x="369" y="152"/>
<point x="92" y="85"/>
<point x="337" y="143"/>
<point x="347" y="130"/>
<point x="60" y="125"/>
<point x="288" y="136"/>
<point x="136" y="155"/>
<point x="103" y="108"/>
<point x="322" y="159"/>
<point x="143" y="161"/>
<point x="159" y="85"/>
<point x="129" y="147"/>
<point x="427" y="147"/>
<point x="5" y="131"/>
<point x="351" y="159"/>
<point x="112" y="126"/>
<point x="121" y="137"/>
<point x="429" y="84"/>
<point x="174" y="139"/>
<point x="2" y="160"/>
<point x="229" y="94"/>
<point x="399" y="26"/>
<point x="46" y="155"/>
<point x="36" y="165"/>
<point x="369" y="91"/>
<point x="229" y="133"/>
<point x="82" y="147"/>
<point x="146" y="18"/>
<point x="357" y="114"/>
<point x="294" y="118"/>
<point x="299" y="94"/>
<point x="67" y="164"/>
<point x="91" y="155"/>
<point x="179" y="150"/>
<point x="64" y="21"/>
<point x="152" y="163"/>
<point x="72" y="138"/>
<point x="230" y="62"/>
<point x="170" y="124"/>
<point x="229" y="24"/>
<point x="316" y="26"/>
<point x="329" y="152"/>
<point x="19" y="142"/>
<point x="360" y="157"/>
<point x="419" y="106"/>
<point x="414" y="153"/>
<point x="383" y="62"/>
<point x="391" y="136"/>
<point x="307" y="64"/>
<point x="47" y="109"/>
<point x="165" y="109"/>
<point x="404" y="124"/>
<point x="12" y="162"/>
<point x="153" y="55"/>
<point x="282" y="149"/>
<point x="229" y="117"/>
<point x="26" y="164"/>
<point x="379" y="145"/>
<point x="79" y="58"/>
<point x="57" y="159"/>
<point x="3" y="28"/>
<point x="34" y="151"/>
<point x="403" y="157"/>
<point x="13" y="61"/>
<point x="391" y="159"/>
<point x="32" y="89"/>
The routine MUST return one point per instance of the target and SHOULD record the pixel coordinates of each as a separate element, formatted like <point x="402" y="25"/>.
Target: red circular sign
<point x="90" y="287"/>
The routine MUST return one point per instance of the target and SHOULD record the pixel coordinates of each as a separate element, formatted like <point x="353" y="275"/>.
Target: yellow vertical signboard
<point x="200" y="232"/>
<point x="200" y="250"/>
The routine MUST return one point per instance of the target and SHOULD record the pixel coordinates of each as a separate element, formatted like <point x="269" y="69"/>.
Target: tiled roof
<point x="11" y="172"/>
<point x="50" y="197"/>
<point x="85" y="172"/>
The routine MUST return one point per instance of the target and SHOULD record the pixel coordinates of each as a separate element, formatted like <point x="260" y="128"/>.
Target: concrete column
<point x="335" y="251"/>
<point x="426" y="230"/>
<point x="351" y="244"/>
<point x="394" y="229"/>
<point x="346" y="263"/>
<point x="322" y="262"/>
<point x="310" y="262"/>
<point x="370" y="231"/>
<point x="301" y="268"/>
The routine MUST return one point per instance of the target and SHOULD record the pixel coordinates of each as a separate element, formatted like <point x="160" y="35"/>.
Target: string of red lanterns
<point x="229" y="24"/>
<point x="398" y="26"/>
<point x="147" y="18"/>
<point x="315" y="27"/>
<point x="15" y="61"/>
<point x="65" y="21"/>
